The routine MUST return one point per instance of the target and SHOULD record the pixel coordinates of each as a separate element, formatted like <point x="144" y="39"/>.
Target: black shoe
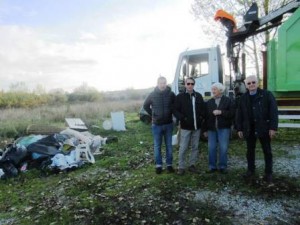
<point x="158" y="170"/>
<point x="268" y="178"/>
<point x="212" y="171"/>
<point x="170" y="169"/>
<point x="248" y="174"/>
<point x="193" y="169"/>
<point x="223" y="171"/>
<point x="180" y="171"/>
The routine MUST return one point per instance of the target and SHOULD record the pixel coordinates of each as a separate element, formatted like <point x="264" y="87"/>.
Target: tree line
<point x="28" y="100"/>
<point x="22" y="98"/>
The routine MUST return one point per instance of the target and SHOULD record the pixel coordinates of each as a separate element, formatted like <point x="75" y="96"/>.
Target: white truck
<point x="204" y="65"/>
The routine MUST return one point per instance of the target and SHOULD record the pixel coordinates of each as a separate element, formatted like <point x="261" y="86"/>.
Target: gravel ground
<point x="247" y="210"/>
<point x="287" y="166"/>
<point x="251" y="210"/>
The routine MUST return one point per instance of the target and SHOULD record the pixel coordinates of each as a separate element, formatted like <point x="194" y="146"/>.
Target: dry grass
<point x="14" y="121"/>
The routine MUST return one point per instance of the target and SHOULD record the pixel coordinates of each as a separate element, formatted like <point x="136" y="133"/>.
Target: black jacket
<point x="184" y="110"/>
<point x="225" y="120"/>
<point x="261" y="115"/>
<point x="160" y="105"/>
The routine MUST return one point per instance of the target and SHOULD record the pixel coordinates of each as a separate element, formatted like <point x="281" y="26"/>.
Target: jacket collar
<point x="259" y="93"/>
<point x="164" y="91"/>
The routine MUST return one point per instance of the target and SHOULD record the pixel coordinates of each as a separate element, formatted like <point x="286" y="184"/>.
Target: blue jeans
<point x="159" y="132"/>
<point x="218" y="138"/>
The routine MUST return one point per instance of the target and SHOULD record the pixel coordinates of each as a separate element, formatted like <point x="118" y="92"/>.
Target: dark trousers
<point x="265" y="142"/>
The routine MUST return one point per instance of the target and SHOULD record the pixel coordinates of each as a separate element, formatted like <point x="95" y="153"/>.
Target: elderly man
<point x="219" y="118"/>
<point x="159" y="104"/>
<point x="257" y="117"/>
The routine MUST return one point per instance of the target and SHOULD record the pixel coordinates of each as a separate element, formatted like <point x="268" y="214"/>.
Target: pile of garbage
<point x="66" y="150"/>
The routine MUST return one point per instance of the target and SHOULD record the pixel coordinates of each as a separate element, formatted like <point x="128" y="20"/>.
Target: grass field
<point x="14" y="122"/>
<point x="122" y="187"/>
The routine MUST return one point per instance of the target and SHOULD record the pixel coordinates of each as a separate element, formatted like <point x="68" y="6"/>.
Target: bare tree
<point x="19" y="87"/>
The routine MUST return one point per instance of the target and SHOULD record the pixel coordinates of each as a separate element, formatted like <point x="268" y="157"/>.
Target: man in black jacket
<point x="160" y="104"/>
<point x="257" y="117"/>
<point x="190" y="111"/>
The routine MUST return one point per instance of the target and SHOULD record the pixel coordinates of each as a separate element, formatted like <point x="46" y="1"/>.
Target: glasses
<point x="253" y="82"/>
<point x="190" y="84"/>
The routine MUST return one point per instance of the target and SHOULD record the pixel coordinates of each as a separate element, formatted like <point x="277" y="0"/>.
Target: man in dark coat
<point x="190" y="111"/>
<point x="160" y="104"/>
<point x="257" y="117"/>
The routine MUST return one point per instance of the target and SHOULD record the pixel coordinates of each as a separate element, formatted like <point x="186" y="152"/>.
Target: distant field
<point x="15" y="121"/>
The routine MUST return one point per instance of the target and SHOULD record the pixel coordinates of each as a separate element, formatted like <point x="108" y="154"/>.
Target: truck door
<point x="204" y="65"/>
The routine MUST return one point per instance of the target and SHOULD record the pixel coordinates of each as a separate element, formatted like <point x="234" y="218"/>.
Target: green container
<point x="284" y="59"/>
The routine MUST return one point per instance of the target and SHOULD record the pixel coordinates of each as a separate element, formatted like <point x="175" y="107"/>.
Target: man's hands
<point x="240" y="134"/>
<point x="217" y="112"/>
<point x="271" y="134"/>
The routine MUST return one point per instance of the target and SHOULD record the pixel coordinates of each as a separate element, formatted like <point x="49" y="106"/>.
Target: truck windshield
<point x="194" y="66"/>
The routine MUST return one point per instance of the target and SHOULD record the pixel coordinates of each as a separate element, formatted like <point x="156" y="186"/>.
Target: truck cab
<point x="204" y="65"/>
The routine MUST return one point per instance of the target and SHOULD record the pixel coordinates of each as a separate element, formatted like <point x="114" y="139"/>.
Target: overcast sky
<point x="106" y="44"/>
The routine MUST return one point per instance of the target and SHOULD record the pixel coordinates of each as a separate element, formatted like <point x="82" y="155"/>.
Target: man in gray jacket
<point x="159" y="104"/>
